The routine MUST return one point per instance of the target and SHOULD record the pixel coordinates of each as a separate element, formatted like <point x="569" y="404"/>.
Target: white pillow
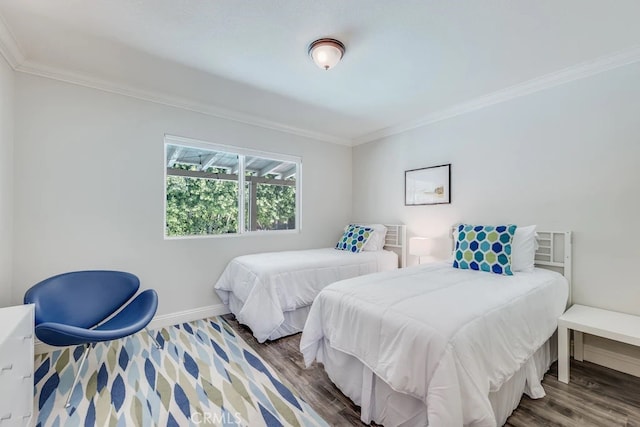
<point x="523" y="249"/>
<point x="377" y="240"/>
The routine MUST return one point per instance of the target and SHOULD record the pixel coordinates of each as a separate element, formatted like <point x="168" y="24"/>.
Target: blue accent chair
<point x="78" y="308"/>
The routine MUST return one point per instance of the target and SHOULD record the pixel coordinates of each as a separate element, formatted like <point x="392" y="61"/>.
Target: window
<point x="215" y="189"/>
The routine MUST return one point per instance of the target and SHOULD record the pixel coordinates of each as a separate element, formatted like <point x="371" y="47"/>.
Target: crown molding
<point x="41" y="70"/>
<point x="566" y="75"/>
<point x="9" y="47"/>
<point x="11" y="51"/>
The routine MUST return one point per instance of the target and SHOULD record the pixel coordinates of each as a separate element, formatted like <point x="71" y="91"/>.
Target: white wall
<point x="89" y="191"/>
<point x="566" y="158"/>
<point x="6" y="181"/>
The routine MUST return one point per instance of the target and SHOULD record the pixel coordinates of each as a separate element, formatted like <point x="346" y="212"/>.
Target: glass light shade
<point x="326" y="53"/>
<point x="420" y="246"/>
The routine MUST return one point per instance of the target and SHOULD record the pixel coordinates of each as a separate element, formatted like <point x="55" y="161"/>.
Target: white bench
<point x="595" y="321"/>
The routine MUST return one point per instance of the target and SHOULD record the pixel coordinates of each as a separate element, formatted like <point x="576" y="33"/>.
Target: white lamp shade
<point x="420" y="246"/>
<point x="326" y="53"/>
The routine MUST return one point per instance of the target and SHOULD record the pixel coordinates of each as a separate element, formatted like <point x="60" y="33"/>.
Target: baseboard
<point x="161" y="321"/>
<point x="612" y="359"/>
<point x="187" y="316"/>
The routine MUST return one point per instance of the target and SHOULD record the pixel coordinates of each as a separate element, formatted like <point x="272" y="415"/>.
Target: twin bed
<point x="272" y="292"/>
<point x="427" y="345"/>
<point x="441" y="346"/>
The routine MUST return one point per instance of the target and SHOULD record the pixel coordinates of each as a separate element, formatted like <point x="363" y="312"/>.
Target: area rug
<point x="204" y="375"/>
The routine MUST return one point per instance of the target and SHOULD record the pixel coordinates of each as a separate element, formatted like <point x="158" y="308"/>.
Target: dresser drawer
<point x="16" y="366"/>
<point x="16" y="395"/>
<point x="16" y="354"/>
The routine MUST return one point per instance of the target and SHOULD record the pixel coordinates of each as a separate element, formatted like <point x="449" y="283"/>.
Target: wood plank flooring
<point x="595" y="396"/>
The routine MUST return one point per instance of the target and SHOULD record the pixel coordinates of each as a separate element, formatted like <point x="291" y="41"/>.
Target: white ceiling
<point x="405" y="59"/>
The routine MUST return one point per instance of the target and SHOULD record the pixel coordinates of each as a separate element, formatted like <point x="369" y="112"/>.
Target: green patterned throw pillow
<point x="354" y="239"/>
<point x="484" y="248"/>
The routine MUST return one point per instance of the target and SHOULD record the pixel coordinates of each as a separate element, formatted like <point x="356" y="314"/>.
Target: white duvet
<point x="445" y="336"/>
<point x="269" y="284"/>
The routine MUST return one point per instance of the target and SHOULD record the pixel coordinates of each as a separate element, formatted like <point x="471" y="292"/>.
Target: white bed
<point x="438" y="346"/>
<point x="272" y="292"/>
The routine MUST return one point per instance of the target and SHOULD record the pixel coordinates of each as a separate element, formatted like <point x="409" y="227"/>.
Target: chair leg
<point x="75" y="380"/>
<point x="158" y="346"/>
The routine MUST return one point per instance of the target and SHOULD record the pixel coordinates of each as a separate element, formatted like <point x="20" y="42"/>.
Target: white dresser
<point x="16" y="365"/>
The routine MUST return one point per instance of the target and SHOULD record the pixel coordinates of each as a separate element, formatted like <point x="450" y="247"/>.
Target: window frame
<point x="241" y="152"/>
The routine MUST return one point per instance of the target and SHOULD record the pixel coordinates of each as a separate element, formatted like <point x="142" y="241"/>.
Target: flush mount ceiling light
<point x="326" y="53"/>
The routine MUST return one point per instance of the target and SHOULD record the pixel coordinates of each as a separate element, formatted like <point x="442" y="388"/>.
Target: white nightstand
<point x="595" y="321"/>
<point x="16" y="365"/>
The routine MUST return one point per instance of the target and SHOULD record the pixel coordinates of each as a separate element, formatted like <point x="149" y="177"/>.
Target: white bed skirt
<point x="380" y="403"/>
<point x="293" y="320"/>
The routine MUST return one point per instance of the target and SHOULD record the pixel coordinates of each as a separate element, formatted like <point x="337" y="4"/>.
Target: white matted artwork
<point x="428" y="186"/>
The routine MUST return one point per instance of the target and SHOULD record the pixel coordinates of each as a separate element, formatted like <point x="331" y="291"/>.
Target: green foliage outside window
<point x="200" y="206"/>
<point x="276" y="207"/>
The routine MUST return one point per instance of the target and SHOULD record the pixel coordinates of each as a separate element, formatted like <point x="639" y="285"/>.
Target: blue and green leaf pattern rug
<point x="204" y="375"/>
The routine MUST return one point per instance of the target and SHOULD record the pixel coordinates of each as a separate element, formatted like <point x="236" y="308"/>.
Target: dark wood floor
<point x="595" y="396"/>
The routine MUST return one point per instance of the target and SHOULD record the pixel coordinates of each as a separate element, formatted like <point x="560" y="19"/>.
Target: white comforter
<point x="445" y="336"/>
<point x="269" y="284"/>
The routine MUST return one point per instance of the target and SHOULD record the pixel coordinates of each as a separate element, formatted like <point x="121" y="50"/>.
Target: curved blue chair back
<point x="81" y="298"/>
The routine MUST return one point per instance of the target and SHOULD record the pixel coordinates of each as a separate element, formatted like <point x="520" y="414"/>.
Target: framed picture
<point x="428" y="186"/>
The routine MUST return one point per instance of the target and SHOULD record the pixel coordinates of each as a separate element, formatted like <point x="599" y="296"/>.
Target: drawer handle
<point x="6" y="417"/>
<point x="27" y="416"/>
<point x="6" y="368"/>
<point x="24" y="377"/>
<point x="28" y="337"/>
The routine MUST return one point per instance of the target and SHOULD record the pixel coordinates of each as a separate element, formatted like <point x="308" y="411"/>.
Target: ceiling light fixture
<point x="326" y="53"/>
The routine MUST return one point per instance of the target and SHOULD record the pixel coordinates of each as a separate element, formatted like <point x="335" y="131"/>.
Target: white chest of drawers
<point x="16" y="365"/>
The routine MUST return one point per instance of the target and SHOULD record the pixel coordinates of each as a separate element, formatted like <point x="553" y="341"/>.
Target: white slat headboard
<point x="554" y="250"/>
<point x="396" y="239"/>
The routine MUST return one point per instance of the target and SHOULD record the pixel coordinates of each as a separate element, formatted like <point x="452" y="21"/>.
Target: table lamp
<point x="420" y="247"/>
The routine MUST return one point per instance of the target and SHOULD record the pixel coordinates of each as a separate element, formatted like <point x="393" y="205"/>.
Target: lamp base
<point x="427" y="259"/>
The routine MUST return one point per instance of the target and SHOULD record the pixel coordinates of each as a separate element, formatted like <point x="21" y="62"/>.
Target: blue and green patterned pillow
<point x="354" y="238"/>
<point x="484" y="248"/>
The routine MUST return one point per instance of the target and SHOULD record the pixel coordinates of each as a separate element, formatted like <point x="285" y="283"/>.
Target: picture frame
<point x="428" y="186"/>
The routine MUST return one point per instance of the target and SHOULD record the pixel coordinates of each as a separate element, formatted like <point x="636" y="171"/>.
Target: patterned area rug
<point x="204" y="375"/>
